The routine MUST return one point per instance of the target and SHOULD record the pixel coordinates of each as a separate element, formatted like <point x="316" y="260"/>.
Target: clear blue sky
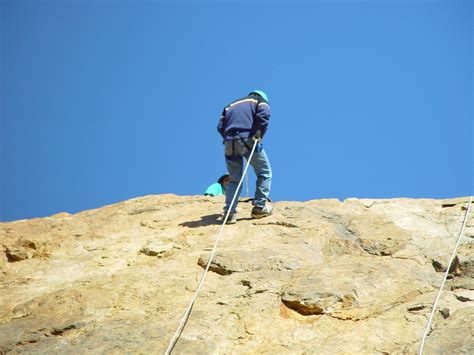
<point x="102" y="101"/>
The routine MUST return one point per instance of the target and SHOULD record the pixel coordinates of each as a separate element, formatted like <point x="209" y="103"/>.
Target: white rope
<point x="428" y="326"/>
<point x="188" y="310"/>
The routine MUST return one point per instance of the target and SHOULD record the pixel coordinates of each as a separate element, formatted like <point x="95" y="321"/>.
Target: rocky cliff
<point x="321" y="276"/>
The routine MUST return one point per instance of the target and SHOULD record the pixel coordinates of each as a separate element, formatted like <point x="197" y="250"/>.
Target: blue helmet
<point x="261" y="93"/>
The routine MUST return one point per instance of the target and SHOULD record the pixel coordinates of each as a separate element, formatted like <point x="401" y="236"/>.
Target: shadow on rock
<point x="204" y="221"/>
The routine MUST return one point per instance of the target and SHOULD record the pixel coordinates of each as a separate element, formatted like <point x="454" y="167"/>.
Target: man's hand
<point x="257" y="136"/>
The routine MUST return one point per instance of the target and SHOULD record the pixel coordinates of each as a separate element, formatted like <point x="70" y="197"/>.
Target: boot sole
<point x="258" y="216"/>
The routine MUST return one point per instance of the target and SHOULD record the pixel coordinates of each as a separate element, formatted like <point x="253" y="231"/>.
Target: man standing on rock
<point x="243" y="122"/>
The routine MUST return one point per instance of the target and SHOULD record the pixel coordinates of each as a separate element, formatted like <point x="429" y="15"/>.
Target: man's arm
<point x="213" y="190"/>
<point x="221" y="124"/>
<point x="262" y="117"/>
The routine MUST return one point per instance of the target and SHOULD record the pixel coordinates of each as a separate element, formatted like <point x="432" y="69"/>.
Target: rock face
<point x="322" y="276"/>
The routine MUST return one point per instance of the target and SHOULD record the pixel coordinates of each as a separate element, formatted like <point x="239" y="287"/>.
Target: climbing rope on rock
<point x="186" y="315"/>
<point x="428" y="326"/>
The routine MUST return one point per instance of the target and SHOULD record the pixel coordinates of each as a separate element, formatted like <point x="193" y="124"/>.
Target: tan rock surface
<point x="321" y="276"/>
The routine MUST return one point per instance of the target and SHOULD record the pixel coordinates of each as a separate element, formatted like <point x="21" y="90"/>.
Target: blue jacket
<point x="244" y="117"/>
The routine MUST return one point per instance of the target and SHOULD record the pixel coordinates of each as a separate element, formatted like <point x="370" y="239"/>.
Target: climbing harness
<point x="427" y="329"/>
<point x="186" y="315"/>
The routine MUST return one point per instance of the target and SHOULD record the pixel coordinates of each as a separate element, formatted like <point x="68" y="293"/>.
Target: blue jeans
<point x="235" y="165"/>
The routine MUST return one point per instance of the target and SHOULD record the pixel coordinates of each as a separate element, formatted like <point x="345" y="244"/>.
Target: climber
<point x="218" y="188"/>
<point x="243" y="122"/>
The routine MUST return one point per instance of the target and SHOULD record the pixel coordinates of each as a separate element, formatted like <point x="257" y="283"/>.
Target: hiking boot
<point x="260" y="212"/>
<point x="232" y="218"/>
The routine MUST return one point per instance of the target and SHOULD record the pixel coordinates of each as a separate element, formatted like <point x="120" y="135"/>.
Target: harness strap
<point x="245" y="143"/>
